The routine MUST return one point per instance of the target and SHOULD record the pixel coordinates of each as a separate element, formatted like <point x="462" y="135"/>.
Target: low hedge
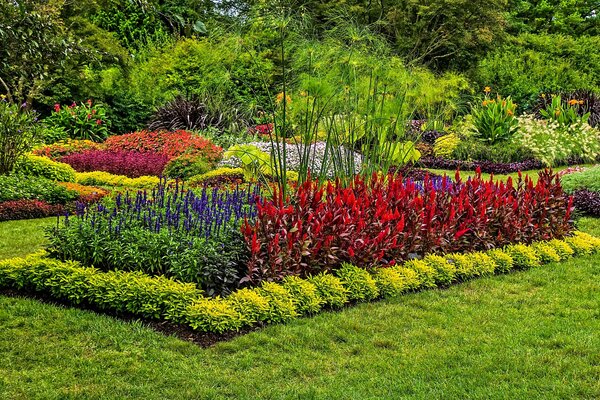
<point x="588" y="179"/>
<point x="32" y="165"/>
<point x="163" y="298"/>
<point x="100" y="178"/>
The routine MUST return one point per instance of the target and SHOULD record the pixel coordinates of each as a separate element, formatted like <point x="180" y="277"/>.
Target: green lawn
<point x="19" y="238"/>
<point x="530" y="334"/>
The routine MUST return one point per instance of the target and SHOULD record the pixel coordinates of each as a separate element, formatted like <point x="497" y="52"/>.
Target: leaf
<point x="199" y="27"/>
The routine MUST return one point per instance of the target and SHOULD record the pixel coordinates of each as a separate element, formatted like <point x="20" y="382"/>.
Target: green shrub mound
<point x="44" y="167"/>
<point x="18" y="187"/>
<point x="588" y="179"/>
<point x="158" y="297"/>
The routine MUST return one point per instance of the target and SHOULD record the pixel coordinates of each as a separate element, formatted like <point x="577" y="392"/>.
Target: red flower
<point x="89" y="102"/>
<point x="98" y="122"/>
<point x="56" y="107"/>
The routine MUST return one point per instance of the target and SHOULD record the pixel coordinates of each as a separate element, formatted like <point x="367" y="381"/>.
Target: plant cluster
<point x="85" y="121"/>
<point x="386" y="219"/>
<point x="65" y="148"/>
<point x="133" y="164"/>
<point x="484" y="166"/>
<point x="21" y="187"/>
<point x="19" y="130"/>
<point x="28" y="208"/>
<point x="588" y="178"/>
<point x="218" y="177"/>
<point x="100" y="178"/>
<point x="587" y="202"/>
<point x="579" y="104"/>
<point x="565" y="112"/>
<point x="159" y="297"/>
<point x="169" y="231"/>
<point x="186" y="166"/>
<point x="552" y="142"/>
<point x="170" y="144"/>
<point x="44" y="167"/>
<point x="495" y="119"/>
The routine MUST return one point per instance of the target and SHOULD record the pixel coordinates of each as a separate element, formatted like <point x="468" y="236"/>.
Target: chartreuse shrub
<point x="159" y="297"/>
<point x="44" y="167"/>
<point x="219" y="175"/>
<point x="444" y="145"/>
<point x="100" y="178"/>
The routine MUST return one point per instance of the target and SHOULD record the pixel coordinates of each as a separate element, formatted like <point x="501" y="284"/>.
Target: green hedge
<point x="162" y="298"/>
<point x="43" y="167"/>
<point x="588" y="179"/>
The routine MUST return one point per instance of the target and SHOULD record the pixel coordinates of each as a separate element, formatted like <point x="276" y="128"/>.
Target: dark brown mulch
<point x="167" y="328"/>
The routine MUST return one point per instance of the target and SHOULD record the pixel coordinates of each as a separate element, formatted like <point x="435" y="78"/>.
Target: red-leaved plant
<point x="130" y="163"/>
<point x="172" y="144"/>
<point x="26" y="209"/>
<point x="384" y="220"/>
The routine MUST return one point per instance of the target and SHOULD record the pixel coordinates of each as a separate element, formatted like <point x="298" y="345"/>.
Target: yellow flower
<point x="279" y="98"/>
<point x="303" y="93"/>
<point x="487" y="89"/>
<point x="484" y="103"/>
<point x="557" y="112"/>
<point x="580" y="101"/>
<point x="572" y="102"/>
<point x="510" y="113"/>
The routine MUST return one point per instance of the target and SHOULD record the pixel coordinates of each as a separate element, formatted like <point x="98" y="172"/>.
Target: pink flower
<point x="89" y="102"/>
<point x="98" y="122"/>
<point x="56" y="107"/>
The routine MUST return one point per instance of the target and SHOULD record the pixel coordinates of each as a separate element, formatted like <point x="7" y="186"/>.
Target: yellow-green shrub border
<point x="163" y="298"/>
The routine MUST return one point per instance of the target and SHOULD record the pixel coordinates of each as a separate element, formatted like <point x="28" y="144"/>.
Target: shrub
<point x="28" y="209"/>
<point x="552" y="143"/>
<point x="425" y="273"/>
<point x="390" y="282"/>
<point x="19" y="187"/>
<point x="213" y="315"/>
<point x="330" y="289"/>
<point x="587" y="202"/>
<point x="359" y="282"/>
<point x="170" y="231"/>
<point x="564" y="112"/>
<point x="304" y="294"/>
<point x="129" y="163"/>
<point x="495" y="120"/>
<point x="465" y="266"/>
<point x="250" y="304"/>
<point x="99" y="178"/>
<point x="546" y="252"/>
<point x="81" y="121"/>
<point x="86" y="194"/>
<point x="562" y="248"/>
<point x="171" y="144"/>
<point x="281" y="303"/>
<point x="582" y="243"/>
<point x="484" y="166"/>
<point x="445" y="145"/>
<point x="65" y="148"/>
<point x="445" y="271"/>
<point x="523" y="256"/>
<point x="185" y="166"/>
<point x="387" y="219"/>
<point x="500" y="153"/>
<point x="484" y="264"/>
<point x="586" y="102"/>
<point x="588" y="179"/>
<point x="46" y="168"/>
<point x="218" y="177"/>
<point x="504" y="261"/>
<point x="19" y="130"/>
<point x="409" y="275"/>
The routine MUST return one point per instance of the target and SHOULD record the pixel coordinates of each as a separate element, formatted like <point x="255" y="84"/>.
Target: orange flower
<point x="279" y="98"/>
<point x="484" y="103"/>
<point x="510" y="113"/>
<point x="487" y="89"/>
<point x="572" y="102"/>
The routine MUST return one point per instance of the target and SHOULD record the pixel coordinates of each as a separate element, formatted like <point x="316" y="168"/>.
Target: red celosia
<point x="386" y="219"/>
<point x="172" y="144"/>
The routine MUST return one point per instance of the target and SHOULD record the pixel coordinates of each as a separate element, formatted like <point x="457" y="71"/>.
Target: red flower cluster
<point x="172" y="144"/>
<point x="130" y="163"/>
<point x="386" y="219"/>
<point x="262" y="129"/>
<point x="57" y="150"/>
<point x="27" y="209"/>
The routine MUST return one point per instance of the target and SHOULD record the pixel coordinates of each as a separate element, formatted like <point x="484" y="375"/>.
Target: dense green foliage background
<point x="135" y="55"/>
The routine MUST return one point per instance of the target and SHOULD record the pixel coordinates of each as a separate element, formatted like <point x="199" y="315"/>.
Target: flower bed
<point x="129" y="163"/>
<point x="387" y="220"/>
<point x="100" y="178"/>
<point x="485" y="166"/>
<point x="163" y="298"/>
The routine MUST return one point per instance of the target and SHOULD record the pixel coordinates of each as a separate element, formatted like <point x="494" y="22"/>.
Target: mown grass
<point x="19" y="238"/>
<point x="529" y="334"/>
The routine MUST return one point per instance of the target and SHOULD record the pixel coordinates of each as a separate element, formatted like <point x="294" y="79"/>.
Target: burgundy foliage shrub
<point x="130" y="163"/>
<point x="485" y="166"/>
<point x="587" y="202"/>
<point x="27" y="209"/>
<point x="384" y="220"/>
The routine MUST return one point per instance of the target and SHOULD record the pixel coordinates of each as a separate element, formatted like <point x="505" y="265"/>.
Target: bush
<point x="483" y="166"/>
<point x="99" y="178"/>
<point x="445" y="271"/>
<point x="390" y="282"/>
<point x="588" y="179"/>
<point x="546" y="252"/>
<point x="218" y="177"/>
<point x="281" y="303"/>
<point x="185" y="166"/>
<point x="586" y="102"/>
<point x="19" y="187"/>
<point x="495" y="120"/>
<point x="360" y="284"/>
<point x="304" y="294"/>
<point x="523" y="256"/>
<point x="170" y="144"/>
<point x="129" y="163"/>
<point x="31" y="165"/>
<point x="587" y="202"/>
<point x="84" y="121"/>
<point x="386" y="219"/>
<point x="426" y="275"/>
<point x="19" y="130"/>
<point x="252" y="306"/>
<point x="552" y="143"/>
<point x="562" y="248"/>
<point x="504" y="261"/>
<point x="504" y="153"/>
<point x="86" y="194"/>
<point x="444" y="145"/>
<point x="330" y="289"/>
<point x="64" y="148"/>
<point x="213" y="315"/>
<point x="28" y="209"/>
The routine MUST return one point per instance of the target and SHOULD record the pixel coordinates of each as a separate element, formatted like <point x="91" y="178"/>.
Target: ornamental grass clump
<point x="193" y="237"/>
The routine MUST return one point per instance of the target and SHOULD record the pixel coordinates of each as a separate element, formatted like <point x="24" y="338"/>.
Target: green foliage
<point x="250" y="304"/>
<point x="565" y="113"/>
<point x="562" y="248"/>
<point x="465" y="266"/>
<point x="359" y="282"/>
<point x="44" y="167"/>
<point x="569" y="17"/>
<point x="83" y="122"/>
<point x="528" y="65"/>
<point x="409" y="275"/>
<point x="546" y="252"/>
<point x="588" y="179"/>
<point x="213" y="315"/>
<point x="494" y="120"/>
<point x="256" y="163"/>
<point x="331" y="290"/>
<point x="215" y="174"/>
<point x="583" y="243"/>
<point x="425" y="273"/>
<point x="444" y="145"/>
<point x="16" y="187"/>
<point x="445" y="270"/>
<point x="471" y="149"/>
<point x="524" y="257"/>
<point x="390" y="282"/>
<point x="484" y="264"/>
<point x="19" y="130"/>
<point x="305" y="294"/>
<point x="186" y="166"/>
